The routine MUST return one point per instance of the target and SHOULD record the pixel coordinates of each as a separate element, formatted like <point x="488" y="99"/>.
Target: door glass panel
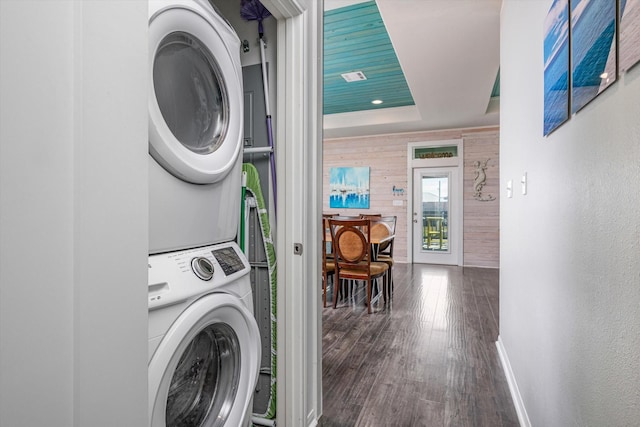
<point x="190" y="92"/>
<point x="435" y="213"/>
<point x="205" y="382"/>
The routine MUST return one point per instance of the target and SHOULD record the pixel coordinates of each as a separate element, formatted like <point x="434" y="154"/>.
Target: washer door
<point x="204" y="371"/>
<point x="195" y="98"/>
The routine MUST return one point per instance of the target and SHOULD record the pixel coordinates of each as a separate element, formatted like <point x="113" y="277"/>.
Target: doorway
<point x="436" y="216"/>
<point x="435" y="226"/>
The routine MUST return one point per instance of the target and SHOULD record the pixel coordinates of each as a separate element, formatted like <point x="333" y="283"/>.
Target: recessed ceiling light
<point x="354" y="76"/>
<point x="377" y="101"/>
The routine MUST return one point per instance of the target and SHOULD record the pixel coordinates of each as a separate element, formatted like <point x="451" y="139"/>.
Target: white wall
<point x="570" y="264"/>
<point x="73" y="213"/>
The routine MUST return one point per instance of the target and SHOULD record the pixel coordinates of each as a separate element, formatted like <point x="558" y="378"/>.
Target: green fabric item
<point x="253" y="187"/>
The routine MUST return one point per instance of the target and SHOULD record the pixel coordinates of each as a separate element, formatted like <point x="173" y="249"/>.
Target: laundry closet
<point x="212" y="308"/>
<point x="276" y="138"/>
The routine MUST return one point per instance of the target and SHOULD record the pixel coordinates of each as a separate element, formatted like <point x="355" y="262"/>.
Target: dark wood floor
<point x="426" y="359"/>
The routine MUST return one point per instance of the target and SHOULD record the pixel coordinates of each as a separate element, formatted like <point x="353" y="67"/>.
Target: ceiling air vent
<point x="354" y="76"/>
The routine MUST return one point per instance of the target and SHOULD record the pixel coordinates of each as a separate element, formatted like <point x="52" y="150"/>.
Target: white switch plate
<point x="524" y="183"/>
<point x="397" y="203"/>
<point x="510" y="189"/>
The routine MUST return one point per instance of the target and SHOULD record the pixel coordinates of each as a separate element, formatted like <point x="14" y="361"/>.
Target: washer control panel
<point x="229" y="260"/>
<point x="177" y="276"/>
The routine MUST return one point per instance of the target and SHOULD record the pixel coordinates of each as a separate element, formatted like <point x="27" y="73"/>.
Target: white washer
<point x="195" y="126"/>
<point x="204" y="343"/>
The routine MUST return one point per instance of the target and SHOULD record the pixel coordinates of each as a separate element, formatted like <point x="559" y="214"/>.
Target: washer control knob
<point x="202" y="267"/>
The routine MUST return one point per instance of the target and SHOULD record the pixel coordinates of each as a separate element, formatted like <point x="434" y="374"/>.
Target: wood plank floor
<point x="428" y="358"/>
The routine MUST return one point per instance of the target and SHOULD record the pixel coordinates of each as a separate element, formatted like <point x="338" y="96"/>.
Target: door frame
<point x="451" y="255"/>
<point x="298" y="130"/>
<point x="436" y="162"/>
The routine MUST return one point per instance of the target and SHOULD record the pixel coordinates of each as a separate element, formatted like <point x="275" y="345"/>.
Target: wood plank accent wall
<point x="482" y="219"/>
<point x="386" y="155"/>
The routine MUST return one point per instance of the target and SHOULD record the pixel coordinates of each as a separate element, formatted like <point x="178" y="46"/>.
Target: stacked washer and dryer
<point x="204" y="343"/>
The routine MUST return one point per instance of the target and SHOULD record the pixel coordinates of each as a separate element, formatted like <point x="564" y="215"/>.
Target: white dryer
<point x="204" y="343"/>
<point x="195" y="126"/>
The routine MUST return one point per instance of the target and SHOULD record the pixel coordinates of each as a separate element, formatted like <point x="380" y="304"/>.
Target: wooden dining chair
<point x="352" y="252"/>
<point x="381" y="228"/>
<point x="328" y="263"/>
<point x="330" y="254"/>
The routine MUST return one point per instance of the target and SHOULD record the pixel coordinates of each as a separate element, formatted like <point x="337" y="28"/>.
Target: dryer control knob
<point x="202" y="267"/>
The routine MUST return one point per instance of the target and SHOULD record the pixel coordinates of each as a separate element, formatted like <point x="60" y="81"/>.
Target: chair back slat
<point x="379" y="230"/>
<point x="351" y="242"/>
<point x="383" y="227"/>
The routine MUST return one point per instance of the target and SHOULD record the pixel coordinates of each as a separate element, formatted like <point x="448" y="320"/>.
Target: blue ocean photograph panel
<point x="593" y="49"/>
<point x="629" y="54"/>
<point x="556" y="66"/>
<point x="349" y="187"/>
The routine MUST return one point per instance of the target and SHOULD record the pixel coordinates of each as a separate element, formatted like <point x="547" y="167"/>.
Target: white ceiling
<point x="449" y="51"/>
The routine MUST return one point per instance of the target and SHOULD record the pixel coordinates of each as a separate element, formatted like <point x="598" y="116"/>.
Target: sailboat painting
<point x="629" y="33"/>
<point x="593" y="49"/>
<point x="349" y="187"/>
<point x="556" y="66"/>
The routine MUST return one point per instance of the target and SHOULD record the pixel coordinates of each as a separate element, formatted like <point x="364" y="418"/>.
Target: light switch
<point x="398" y="203"/>
<point x="510" y="189"/>
<point x="524" y="183"/>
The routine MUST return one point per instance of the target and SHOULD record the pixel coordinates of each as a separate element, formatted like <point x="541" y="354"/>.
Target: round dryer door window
<point x="195" y="100"/>
<point x="191" y="95"/>
<point x="204" y="371"/>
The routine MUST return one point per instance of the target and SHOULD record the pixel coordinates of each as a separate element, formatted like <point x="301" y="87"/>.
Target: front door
<point x="436" y="215"/>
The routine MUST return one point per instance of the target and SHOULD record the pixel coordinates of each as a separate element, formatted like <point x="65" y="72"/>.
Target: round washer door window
<point x="204" y="371"/>
<point x="195" y="98"/>
<point x="205" y="381"/>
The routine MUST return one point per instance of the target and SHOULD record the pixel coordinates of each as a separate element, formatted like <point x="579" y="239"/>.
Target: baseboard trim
<point x="523" y="418"/>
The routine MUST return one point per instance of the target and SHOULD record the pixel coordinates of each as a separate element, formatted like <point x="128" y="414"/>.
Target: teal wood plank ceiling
<point x="495" y="93"/>
<point x="355" y="39"/>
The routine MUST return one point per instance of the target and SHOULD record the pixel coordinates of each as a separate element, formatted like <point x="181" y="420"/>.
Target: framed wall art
<point x="593" y="49"/>
<point x="629" y="54"/>
<point x="349" y="187"/>
<point x="556" y="66"/>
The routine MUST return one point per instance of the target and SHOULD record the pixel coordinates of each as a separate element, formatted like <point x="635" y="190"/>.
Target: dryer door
<point x="204" y="371"/>
<point x="195" y="98"/>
